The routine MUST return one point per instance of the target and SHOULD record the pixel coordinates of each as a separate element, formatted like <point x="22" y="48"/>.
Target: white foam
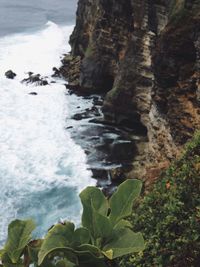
<point x="36" y="152"/>
<point x="36" y="52"/>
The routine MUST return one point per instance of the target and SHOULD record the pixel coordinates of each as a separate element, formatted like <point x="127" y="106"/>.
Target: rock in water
<point x="10" y="74"/>
<point x="35" y="79"/>
<point x="44" y="82"/>
<point x="56" y="72"/>
<point x="32" y="93"/>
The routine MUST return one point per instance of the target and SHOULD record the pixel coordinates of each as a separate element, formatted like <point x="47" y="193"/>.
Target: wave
<point x="42" y="170"/>
<point x="37" y="52"/>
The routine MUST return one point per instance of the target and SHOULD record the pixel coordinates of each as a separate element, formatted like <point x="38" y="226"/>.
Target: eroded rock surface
<point x="145" y="54"/>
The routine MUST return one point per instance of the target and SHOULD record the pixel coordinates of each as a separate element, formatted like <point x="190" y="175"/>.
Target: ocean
<point x="42" y="169"/>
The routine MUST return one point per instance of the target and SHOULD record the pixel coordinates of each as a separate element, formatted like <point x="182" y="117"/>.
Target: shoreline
<point x="110" y="149"/>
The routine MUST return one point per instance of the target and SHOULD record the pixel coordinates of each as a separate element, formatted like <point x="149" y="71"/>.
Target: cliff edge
<point x="145" y="55"/>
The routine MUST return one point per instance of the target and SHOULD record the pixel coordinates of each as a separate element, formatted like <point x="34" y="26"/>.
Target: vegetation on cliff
<point x="169" y="216"/>
<point x="104" y="236"/>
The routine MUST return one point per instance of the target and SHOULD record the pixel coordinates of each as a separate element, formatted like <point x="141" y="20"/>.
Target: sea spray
<point x="42" y="170"/>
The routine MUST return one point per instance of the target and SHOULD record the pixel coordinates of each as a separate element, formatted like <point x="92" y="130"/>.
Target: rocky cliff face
<point x="145" y="54"/>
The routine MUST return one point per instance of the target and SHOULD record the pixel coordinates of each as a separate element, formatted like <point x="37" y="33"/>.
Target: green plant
<point x="169" y="216"/>
<point x="104" y="236"/>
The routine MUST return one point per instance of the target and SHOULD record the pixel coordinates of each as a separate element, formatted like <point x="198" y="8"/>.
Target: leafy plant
<point x="104" y="236"/>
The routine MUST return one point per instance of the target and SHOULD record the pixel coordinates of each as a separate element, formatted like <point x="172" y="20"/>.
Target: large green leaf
<point x="65" y="263"/>
<point x="102" y="228"/>
<point x="8" y="263"/>
<point x="81" y="236"/>
<point x="58" y="238"/>
<point x="89" y="249"/>
<point x="90" y="256"/>
<point x="125" y="242"/>
<point x="121" y="202"/>
<point x="19" y="235"/>
<point x="33" y="249"/>
<point x="92" y="199"/>
<point x="123" y="224"/>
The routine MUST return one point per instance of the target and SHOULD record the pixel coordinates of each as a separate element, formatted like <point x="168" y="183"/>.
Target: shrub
<point x="104" y="236"/>
<point x="169" y="216"/>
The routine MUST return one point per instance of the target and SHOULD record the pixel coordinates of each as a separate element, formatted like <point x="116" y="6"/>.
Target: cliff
<point x="145" y="55"/>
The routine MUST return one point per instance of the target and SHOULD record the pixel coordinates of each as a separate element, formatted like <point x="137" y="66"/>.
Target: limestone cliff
<point x="145" y="54"/>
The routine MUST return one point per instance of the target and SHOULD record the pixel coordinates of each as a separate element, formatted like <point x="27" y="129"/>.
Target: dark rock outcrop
<point x="98" y="42"/>
<point x="146" y="55"/>
<point x="176" y="70"/>
<point x="35" y="79"/>
<point x="33" y="93"/>
<point x="10" y="74"/>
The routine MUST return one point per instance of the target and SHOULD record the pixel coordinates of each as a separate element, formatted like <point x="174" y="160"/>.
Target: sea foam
<point x="42" y="170"/>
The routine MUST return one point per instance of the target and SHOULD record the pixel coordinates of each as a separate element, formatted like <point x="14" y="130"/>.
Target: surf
<point x="42" y="170"/>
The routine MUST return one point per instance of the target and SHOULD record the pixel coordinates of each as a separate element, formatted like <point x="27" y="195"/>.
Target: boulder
<point x="56" y="72"/>
<point x="32" y="93"/>
<point x="10" y="74"/>
<point x="36" y="79"/>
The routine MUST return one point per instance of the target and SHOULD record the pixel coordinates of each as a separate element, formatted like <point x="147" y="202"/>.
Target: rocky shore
<point x="110" y="149"/>
<point x="144" y="56"/>
<point x="138" y="62"/>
